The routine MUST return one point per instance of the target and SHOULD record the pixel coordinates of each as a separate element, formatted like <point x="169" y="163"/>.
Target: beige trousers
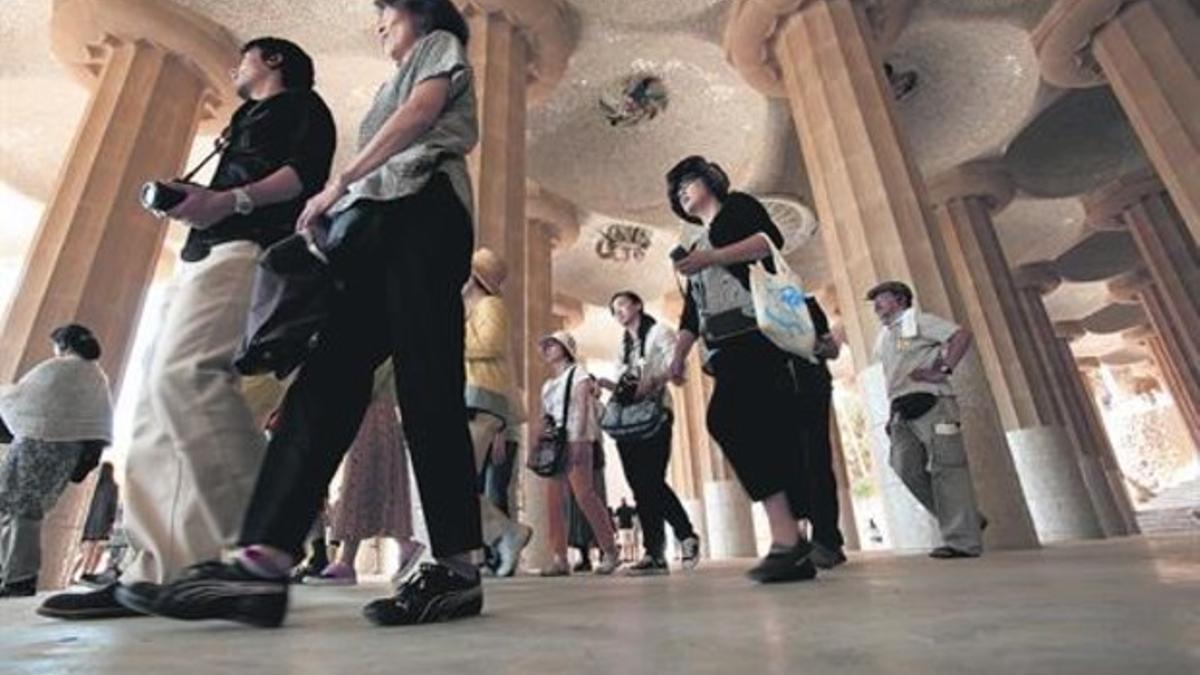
<point x="196" y="448"/>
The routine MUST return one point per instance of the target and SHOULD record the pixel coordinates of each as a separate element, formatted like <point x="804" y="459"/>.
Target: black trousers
<point x="821" y="498"/>
<point x="645" y="464"/>
<point x="402" y="272"/>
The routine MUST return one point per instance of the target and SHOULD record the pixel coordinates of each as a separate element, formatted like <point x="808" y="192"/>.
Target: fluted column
<point x="1149" y="52"/>
<point x="686" y="477"/>
<point x="551" y="226"/>
<point x="1032" y="283"/>
<point x="1140" y="204"/>
<point x="1102" y="468"/>
<point x="518" y="50"/>
<point x="872" y="201"/>
<point x="155" y="73"/>
<point x="1042" y="447"/>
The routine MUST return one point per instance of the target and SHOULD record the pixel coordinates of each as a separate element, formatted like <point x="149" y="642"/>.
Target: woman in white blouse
<point x="647" y="349"/>
<point x="582" y="424"/>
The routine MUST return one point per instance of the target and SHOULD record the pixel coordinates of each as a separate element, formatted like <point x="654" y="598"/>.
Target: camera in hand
<point x="679" y="253"/>
<point x="626" y="391"/>
<point x="159" y="196"/>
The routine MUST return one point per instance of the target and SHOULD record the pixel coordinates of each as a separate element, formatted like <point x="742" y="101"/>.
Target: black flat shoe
<point x="139" y="596"/>
<point x="19" y="589"/>
<point x="827" y="558"/>
<point x="98" y="604"/>
<point x="791" y="565"/>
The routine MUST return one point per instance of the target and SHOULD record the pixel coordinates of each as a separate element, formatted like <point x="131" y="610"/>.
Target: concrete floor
<point x="1127" y="607"/>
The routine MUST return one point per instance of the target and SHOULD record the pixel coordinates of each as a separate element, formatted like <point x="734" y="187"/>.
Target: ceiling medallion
<point x="634" y="99"/>
<point x="623" y="243"/>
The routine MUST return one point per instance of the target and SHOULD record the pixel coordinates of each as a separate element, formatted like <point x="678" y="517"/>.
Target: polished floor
<point x="1125" y="607"/>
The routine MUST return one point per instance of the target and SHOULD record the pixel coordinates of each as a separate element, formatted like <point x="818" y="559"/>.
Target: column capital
<point x="1130" y="286"/>
<point x="83" y="33"/>
<point x="546" y="28"/>
<point x="754" y="26"/>
<point x="984" y="179"/>
<point x="1140" y="334"/>
<point x="569" y="309"/>
<point x="1063" y="40"/>
<point x="1040" y="276"/>
<point x="1069" y="330"/>
<point x="554" y="213"/>
<point x="1105" y="205"/>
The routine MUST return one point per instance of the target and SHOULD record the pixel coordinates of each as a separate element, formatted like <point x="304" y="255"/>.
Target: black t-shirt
<point x="741" y="216"/>
<point x="625" y="516"/>
<point x="293" y="128"/>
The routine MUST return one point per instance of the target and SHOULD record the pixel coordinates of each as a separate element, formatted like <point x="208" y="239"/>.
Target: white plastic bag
<point x="781" y="308"/>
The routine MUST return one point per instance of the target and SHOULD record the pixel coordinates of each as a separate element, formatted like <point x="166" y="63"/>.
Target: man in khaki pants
<point x="918" y="352"/>
<point x="196" y="447"/>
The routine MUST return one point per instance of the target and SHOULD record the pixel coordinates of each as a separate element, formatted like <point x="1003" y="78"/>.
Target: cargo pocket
<point x="948" y="450"/>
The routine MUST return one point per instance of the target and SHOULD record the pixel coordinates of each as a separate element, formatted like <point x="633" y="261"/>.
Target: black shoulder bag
<point x="549" y="456"/>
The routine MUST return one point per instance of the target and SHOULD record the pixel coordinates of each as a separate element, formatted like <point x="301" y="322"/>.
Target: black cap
<point x="896" y="288"/>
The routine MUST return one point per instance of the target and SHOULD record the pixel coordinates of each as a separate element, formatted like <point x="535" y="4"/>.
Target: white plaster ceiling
<point x="977" y="84"/>
<point x="619" y="170"/>
<point x="1033" y="230"/>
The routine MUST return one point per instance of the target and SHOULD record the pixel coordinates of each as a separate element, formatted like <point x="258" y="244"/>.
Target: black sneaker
<point x="791" y="565"/>
<point x="216" y="590"/>
<point x="827" y="558"/>
<point x="98" y="604"/>
<point x="139" y="596"/>
<point x="433" y="594"/>
<point x="19" y="589"/>
<point x="648" y="566"/>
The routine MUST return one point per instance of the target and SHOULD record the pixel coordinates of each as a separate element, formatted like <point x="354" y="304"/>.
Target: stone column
<point x="552" y="225"/>
<point x="1179" y="387"/>
<point x="518" y="50"/>
<point x="872" y="200"/>
<point x="1102" y="468"/>
<point x="95" y="251"/>
<point x="689" y="436"/>
<point x="1042" y="447"/>
<point x="1149" y="52"/>
<point x="1032" y="282"/>
<point x="847" y="523"/>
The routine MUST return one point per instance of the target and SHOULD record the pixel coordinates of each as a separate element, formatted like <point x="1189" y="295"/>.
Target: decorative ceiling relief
<point x="623" y="243"/>
<point x="634" y="99"/>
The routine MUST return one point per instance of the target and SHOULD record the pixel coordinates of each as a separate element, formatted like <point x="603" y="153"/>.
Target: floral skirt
<point x="34" y="473"/>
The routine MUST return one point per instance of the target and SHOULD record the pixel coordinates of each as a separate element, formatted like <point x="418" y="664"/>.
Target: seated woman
<point x="60" y="414"/>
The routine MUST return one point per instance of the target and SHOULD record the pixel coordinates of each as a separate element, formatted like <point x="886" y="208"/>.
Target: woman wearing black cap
<point x="753" y="410"/>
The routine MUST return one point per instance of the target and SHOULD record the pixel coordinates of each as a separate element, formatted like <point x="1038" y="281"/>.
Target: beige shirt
<point x="913" y="340"/>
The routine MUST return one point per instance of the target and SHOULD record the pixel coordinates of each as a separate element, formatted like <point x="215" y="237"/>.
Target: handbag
<point x="549" y="456"/>
<point x="913" y="406"/>
<point x="781" y="308"/>
<point x="635" y="421"/>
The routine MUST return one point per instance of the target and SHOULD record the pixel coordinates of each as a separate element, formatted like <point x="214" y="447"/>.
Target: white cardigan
<point x="60" y="399"/>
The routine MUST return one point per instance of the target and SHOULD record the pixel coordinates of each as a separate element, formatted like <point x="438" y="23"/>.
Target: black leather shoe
<point x="433" y="594"/>
<point x="19" y="589"/>
<point x="216" y="590"/>
<point x="98" y="604"/>
<point x="139" y="596"/>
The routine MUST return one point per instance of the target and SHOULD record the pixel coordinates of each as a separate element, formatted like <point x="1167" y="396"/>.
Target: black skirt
<point x="756" y="416"/>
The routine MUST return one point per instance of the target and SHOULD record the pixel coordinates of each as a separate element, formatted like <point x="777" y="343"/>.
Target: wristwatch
<point x="243" y="205"/>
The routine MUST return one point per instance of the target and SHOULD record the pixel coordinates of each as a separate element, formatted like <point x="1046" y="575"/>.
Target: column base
<point x="729" y="520"/>
<point x="1058" y="498"/>
<point x="1102" y="498"/>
